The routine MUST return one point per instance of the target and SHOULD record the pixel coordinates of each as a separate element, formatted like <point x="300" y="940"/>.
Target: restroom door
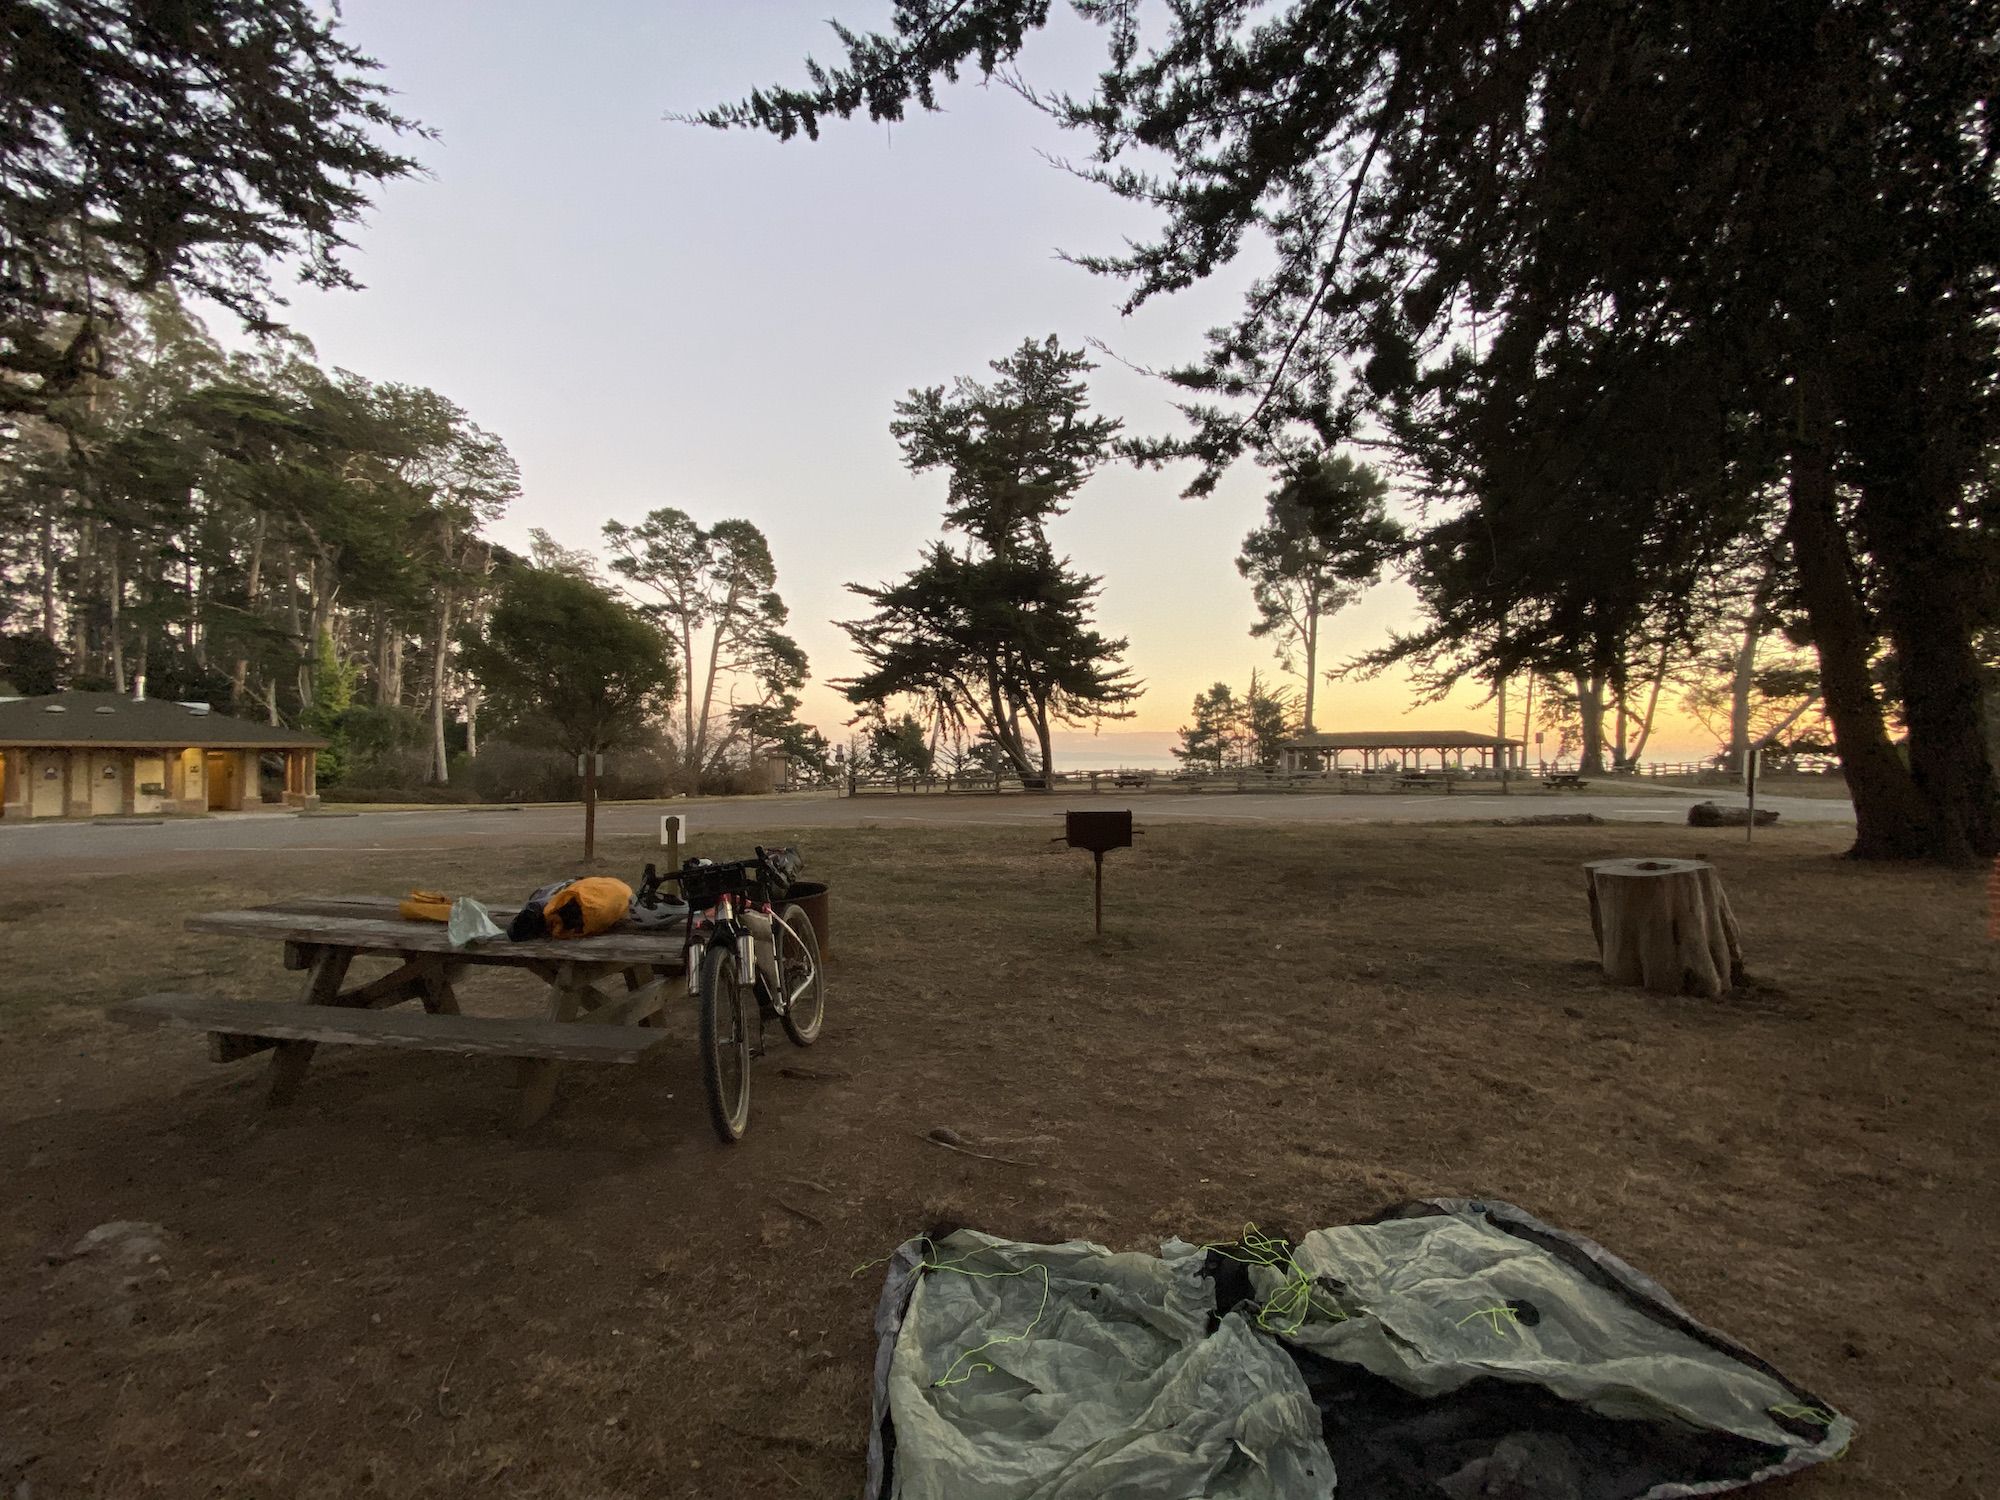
<point x="107" y="783"/>
<point x="225" y="769"/>
<point x="47" y="774"/>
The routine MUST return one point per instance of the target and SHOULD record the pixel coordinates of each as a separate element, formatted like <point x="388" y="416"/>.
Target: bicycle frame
<point x="737" y="920"/>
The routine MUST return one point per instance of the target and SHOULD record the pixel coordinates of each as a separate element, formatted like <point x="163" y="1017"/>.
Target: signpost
<point x="590" y="767"/>
<point x="1750" y="785"/>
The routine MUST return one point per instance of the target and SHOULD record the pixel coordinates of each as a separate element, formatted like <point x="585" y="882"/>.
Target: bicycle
<point x="745" y="941"/>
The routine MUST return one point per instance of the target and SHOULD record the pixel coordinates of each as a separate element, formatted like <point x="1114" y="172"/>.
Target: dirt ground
<point x="378" y="1291"/>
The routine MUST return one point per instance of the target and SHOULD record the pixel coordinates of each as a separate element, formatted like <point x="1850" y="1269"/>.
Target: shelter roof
<point x="1397" y="739"/>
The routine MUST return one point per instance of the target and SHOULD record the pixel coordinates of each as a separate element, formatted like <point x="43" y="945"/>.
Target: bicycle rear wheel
<point x="803" y="976"/>
<point x="726" y="1021"/>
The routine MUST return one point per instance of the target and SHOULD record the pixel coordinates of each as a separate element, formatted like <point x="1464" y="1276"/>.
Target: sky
<point x="653" y="314"/>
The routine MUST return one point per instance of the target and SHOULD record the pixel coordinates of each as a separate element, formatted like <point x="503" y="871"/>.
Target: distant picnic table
<point x="606" y="1004"/>
<point x="1416" y="779"/>
<point x="1564" y="781"/>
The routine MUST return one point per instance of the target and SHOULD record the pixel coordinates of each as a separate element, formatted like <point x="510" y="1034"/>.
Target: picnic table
<point x="1564" y="781"/>
<point x="607" y="994"/>
<point x="1415" y="779"/>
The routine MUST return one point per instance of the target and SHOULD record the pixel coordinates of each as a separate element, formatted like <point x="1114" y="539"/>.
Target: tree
<point x="31" y="665"/>
<point x="1208" y="744"/>
<point x="561" y="651"/>
<point x="187" y="143"/>
<point x="1265" y="725"/>
<point x="775" y="726"/>
<point x="1324" y="540"/>
<point x="211" y="522"/>
<point x="1016" y="450"/>
<point x="713" y="591"/>
<point x="332" y="697"/>
<point x="463" y="477"/>
<point x="899" y="747"/>
<point x="544" y="551"/>
<point x="1004" y="646"/>
<point x="999" y="638"/>
<point x="1232" y="733"/>
<point x="1798" y="199"/>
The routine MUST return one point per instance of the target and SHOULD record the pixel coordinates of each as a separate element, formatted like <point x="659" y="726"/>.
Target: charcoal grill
<point x="1100" y="832"/>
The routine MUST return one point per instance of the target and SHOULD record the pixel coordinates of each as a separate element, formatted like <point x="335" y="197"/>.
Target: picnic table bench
<point x="1564" y="781"/>
<point x="1423" y="779"/>
<point x="589" y="1019"/>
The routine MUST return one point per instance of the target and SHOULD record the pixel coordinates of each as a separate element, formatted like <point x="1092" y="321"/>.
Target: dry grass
<point x="378" y="1292"/>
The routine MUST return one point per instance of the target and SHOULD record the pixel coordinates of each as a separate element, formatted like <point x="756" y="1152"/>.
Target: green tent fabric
<point x="1065" y="1370"/>
<point x="1449" y="1348"/>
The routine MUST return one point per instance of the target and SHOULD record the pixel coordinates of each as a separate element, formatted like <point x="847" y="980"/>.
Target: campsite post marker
<point x="673" y="829"/>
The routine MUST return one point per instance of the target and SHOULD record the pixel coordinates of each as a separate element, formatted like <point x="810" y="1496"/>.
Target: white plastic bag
<point x="470" y="924"/>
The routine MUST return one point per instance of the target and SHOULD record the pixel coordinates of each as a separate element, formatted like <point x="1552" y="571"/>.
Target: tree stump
<point x="1664" y="924"/>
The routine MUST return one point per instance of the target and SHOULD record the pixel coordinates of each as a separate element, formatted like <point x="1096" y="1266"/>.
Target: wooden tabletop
<point x="370" y="924"/>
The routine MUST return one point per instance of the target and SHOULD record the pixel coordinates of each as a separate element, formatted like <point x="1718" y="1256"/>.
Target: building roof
<point x="114" y="720"/>
<point x="1397" y="739"/>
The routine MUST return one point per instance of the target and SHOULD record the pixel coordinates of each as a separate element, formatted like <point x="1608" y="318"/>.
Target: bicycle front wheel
<point x="800" y="972"/>
<point x="725" y="1042"/>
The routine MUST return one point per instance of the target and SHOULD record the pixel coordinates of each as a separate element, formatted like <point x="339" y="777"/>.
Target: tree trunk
<point x="191" y="591"/>
<point x="687" y="693"/>
<point x="296" y="623"/>
<point x="589" y="806"/>
<point x="1312" y="657"/>
<point x="114" y="595"/>
<point x="79" y="619"/>
<point x="471" y="721"/>
<point x="1039" y="717"/>
<point x="388" y="663"/>
<point x="1652" y="708"/>
<point x="1922" y="562"/>
<point x="1618" y="691"/>
<point x="1890" y="819"/>
<point x="48" y="567"/>
<point x="1664" y="924"/>
<point x="440" y="762"/>
<point x="198" y="614"/>
<point x="1006" y="729"/>
<point x="239" y="675"/>
<point x="1742" y="678"/>
<point x="1590" y="709"/>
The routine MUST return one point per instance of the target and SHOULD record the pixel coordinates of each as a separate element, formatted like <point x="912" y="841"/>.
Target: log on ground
<point x="1715" y="815"/>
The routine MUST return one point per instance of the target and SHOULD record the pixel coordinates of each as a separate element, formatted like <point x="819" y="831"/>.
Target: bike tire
<point x="802" y="1028"/>
<point x="725" y="1042"/>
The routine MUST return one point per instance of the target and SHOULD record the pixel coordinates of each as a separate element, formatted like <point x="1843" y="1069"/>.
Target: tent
<point x="1446" y="1349"/>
